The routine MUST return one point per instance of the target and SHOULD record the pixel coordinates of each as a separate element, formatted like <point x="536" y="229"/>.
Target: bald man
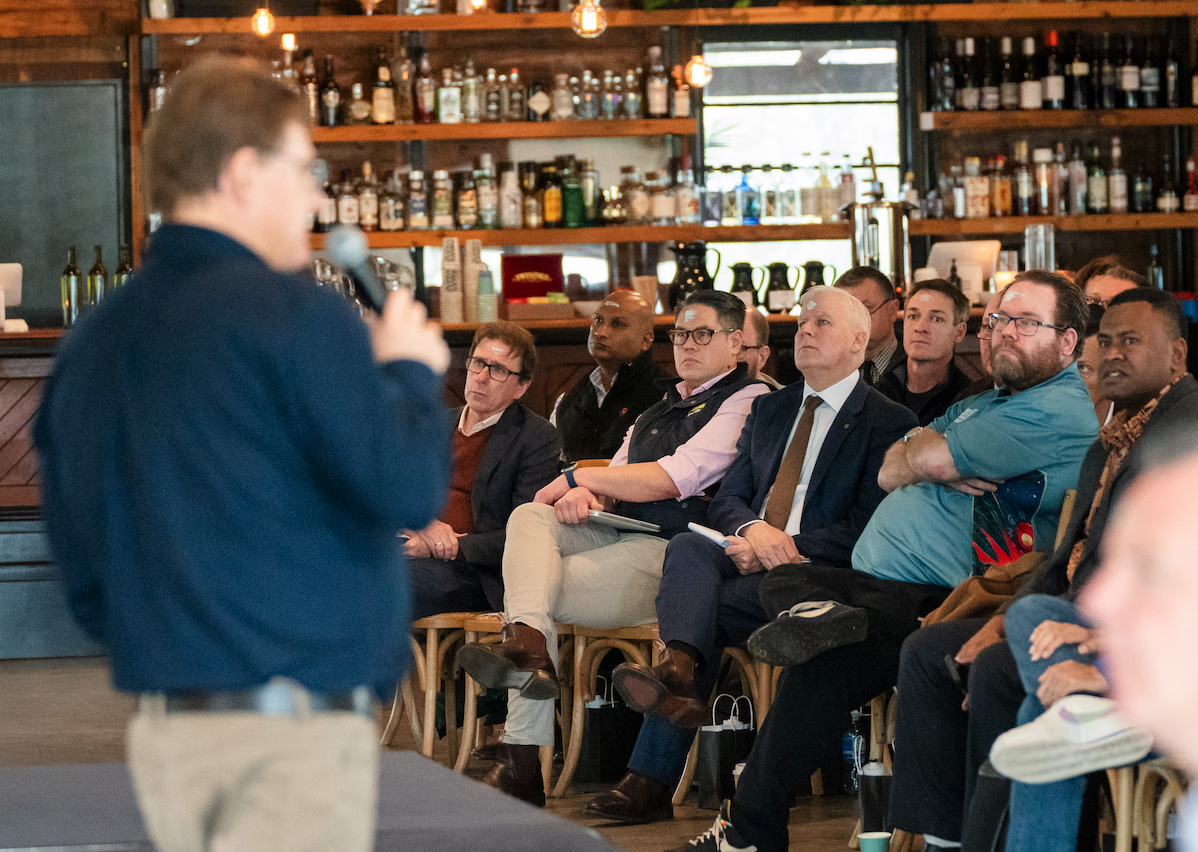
<point x="594" y="415"/>
<point x="778" y="503"/>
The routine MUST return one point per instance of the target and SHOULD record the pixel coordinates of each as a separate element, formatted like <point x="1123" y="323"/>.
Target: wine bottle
<point x="1107" y="82"/>
<point x="1117" y="180"/>
<point x="1129" y="77"/>
<point x="382" y="96"/>
<point x="1031" y="94"/>
<point x="310" y="86"/>
<point x="404" y="79"/>
<point x="1053" y="85"/>
<point x="1079" y="77"/>
<point x="1156" y="275"/>
<point x="124" y="268"/>
<point x="330" y="96"/>
<point x="74" y="292"/>
<point x="970" y="91"/>
<point x="990" y="92"/>
<point x="1189" y="203"/>
<point x="1172" y="76"/>
<point x="1150" y="78"/>
<point x="1008" y="85"/>
<point x="97" y="280"/>
<point x="1096" y="183"/>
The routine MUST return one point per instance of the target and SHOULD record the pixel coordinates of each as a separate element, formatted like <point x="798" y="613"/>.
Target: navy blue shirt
<point x="224" y="471"/>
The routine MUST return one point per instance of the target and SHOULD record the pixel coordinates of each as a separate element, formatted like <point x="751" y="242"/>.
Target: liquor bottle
<point x="326" y="215"/>
<point x="1168" y="200"/>
<point x="417" y="201"/>
<point x="1023" y="187"/>
<point x="487" y="193"/>
<point x="971" y="93"/>
<point x="826" y="194"/>
<point x="657" y="86"/>
<point x="1129" y="77"/>
<point x="1190" y="202"/>
<point x="156" y="94"/>
<point x="441" y="205"/>
<point x="529" y="196"/>
<point x="562" y="99"/>
<point x="1053" y="84"/>
<point x="1044" y="182"/>
<point x="382" y="96"/>
<point x="768" y="189"/>
<point x="97" y="280"/>
<point x="1096" y="183"/>
<point x="609" y="101"/>
<point x="1194" y="86"/>
<point x="942" y="92"/>
<point x="449" y="100"/>
<point x="1172" y="76"/>
<point x="1117" y="179"/>
<point x="1031" y="94"/>
<point x="550" y="192"/>
<point x="1077" y="179"/>
<point x="404" y="78"/>
<point x="391" y="207"/>
<point x="472" y="99"/>
<point x="1150" y="78"/>
<point x="788" y="196"/>
<point x="310" y="86"/>
<point x="357" y="111"/>
<point x="592" y="191"/>
<point x="74" y="290"/>
<point x="1142" y="198"/>
<point x="425" y="101"/>
<point x="1061" y="178"/>
<point x="847" y="193"/>
<point x="574" y="211"/>
<point x="990" y="94"/>
<point x="731" y="211"/>
<point x="347" y="200"/>
<point x="589" y="97"/>
<point x="1108" y="83"/>
<point x="958" y="71"/>
<point x="686" y="196"/>
<point x="124" y="266"/>
<point x="1001" y="199"/>
<point x="680" y="104"/>
<point x="465" y="199"/>
<point x="1008" y="83"/>
<point x="1155" y="275"/>
<point x="1079" y="77"/>
<point x="330" y="96"/>
<point x="748" y="198"/>
<point x="953" y="277"/>
<point x="492" y="102"/>
<point x="539" y="103"/>
<point x="368" y="200"/>
<point x="517" y="107"/>
<point x="633" y="103"/>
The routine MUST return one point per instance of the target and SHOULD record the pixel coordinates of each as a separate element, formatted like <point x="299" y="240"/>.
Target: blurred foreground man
<point x="227" y="456"/>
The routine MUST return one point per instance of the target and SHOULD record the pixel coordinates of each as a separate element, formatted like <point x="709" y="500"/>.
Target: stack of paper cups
<point x="488" y="302"/>
<point x="451" y="282"/>
<point x="472" y="262"/>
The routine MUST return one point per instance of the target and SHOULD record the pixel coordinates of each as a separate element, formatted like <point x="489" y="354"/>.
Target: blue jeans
<point x="1044" y="817"/>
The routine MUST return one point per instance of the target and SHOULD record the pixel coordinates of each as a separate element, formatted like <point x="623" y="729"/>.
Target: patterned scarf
<point x="1118" y="437"/>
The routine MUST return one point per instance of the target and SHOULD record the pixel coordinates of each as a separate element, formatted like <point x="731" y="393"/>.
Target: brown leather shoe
<point x="518" y="773"/>
<point x="520" y="661"/>
<point x="636" y="800"/>
<point x="667" y="689"/>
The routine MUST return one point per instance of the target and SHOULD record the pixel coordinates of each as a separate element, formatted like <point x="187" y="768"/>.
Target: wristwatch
<point x="569" y="473"/>
<point x="911" y="434"/>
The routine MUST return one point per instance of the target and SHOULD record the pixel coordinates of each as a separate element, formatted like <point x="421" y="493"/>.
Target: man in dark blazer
<point x="503" y="454"/>
<point x="781" y="500"/>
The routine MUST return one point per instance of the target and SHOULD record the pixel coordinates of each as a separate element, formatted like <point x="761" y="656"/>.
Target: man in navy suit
<point x="777" y="504"/>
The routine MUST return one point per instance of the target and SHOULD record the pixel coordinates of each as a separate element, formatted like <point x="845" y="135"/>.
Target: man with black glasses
<point x="561" y="565"/>
<point x="871" y="288"/>
<point x="502" y="455"/>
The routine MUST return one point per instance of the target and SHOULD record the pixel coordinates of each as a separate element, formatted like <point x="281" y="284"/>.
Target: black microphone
<point x="347" y="246"/>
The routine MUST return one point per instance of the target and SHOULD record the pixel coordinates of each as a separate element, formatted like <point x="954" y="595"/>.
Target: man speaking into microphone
<point x="227" y="455"/>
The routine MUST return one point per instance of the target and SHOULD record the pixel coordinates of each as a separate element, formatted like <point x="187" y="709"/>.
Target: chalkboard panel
<point x="64" y="181"/>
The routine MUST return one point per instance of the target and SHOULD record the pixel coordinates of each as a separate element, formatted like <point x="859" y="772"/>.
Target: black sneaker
<point x="807" y="630"/>
<point x="721" y="837"/>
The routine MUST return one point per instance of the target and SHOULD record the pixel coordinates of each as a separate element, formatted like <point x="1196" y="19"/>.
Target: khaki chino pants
<point x="585" y="574"/>
<point x="247" y="782"/>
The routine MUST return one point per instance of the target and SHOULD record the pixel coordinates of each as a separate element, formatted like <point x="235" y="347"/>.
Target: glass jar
<point x="663" y="209"/>
<point x="636" y="198"/>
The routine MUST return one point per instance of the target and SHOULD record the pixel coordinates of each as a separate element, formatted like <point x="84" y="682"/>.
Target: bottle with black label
<point x="990" y="99"/>
<point x="97" y="280"/>
<point x="1150" y="78"/>
<point x="330" y="96"/>
<point x="310" y="86"/>
<point x="1052" y="85"/>
<point x="1108" y="84"/>
<point x="1129" y="77"/>
<point x="971" y="94"/>
<point x="1008" y="82"/>
<point x="1031" y="93"/>
<point x="1078" y="78"/>
<point x="74" y="290"/>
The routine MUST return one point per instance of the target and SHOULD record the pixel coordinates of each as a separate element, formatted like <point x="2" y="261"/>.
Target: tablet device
<point x="620" y="522"/>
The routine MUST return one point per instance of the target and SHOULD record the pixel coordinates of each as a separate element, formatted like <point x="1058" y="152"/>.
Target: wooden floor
<point x="65" y="711"/>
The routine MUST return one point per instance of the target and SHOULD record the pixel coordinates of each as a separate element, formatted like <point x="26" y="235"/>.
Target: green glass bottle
<point x="97" y="281"/>
<point x="73" y="292"/>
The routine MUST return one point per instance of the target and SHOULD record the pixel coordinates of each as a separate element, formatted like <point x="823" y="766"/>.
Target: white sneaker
<point x="1077" y="735"/>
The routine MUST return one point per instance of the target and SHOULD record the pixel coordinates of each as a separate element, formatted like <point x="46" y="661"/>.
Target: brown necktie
<point x="782" y="493"/>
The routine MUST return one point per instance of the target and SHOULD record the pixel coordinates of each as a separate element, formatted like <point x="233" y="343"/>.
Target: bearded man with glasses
<point x="502" y="455"/>
<point x="561" y="565"/>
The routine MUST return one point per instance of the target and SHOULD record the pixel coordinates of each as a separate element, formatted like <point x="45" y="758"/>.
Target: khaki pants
<point x="584" y="574"/>
<point x="246" y="782"/>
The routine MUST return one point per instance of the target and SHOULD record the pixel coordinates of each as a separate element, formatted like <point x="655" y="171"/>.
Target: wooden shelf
<point x="509" y="130"/>
<point x="1016" y="224"/>
<point x="610" y="234"/>
<point x="1032" y="118"/>
<point x="1054" y="11"/>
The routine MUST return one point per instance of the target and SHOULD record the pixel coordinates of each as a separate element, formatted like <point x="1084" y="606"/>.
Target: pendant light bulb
<point x="263" y="22"/>
<point x="697" y="72"/>
<point x="478" y="5"/>
<point x="588" y="19"/>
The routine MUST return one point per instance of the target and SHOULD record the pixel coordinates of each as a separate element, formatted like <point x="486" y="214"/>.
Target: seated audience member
<point x="594" y="415"/>
<point x="839" y="632"/>
<point x="503" y="454"/>
<point x="986" y="382"/>
<point x="1104" y="278"/>
<point x="1143" y="598"/>
<point x="560" y="566"/>
<point x="933" y="324"/>
<point x="1088" y="364"/>
<point x="1142" y="370"/>
<point x="803" y="484"/>
<point x="755" y="351"/>
<point x="874" y="290"/>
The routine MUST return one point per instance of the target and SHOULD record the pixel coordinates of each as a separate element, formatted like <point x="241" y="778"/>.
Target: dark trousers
<point x="942" y="746"/>
<point x="454" y="586"/>
<point x="813" y="702"/>
<point x="705" y="602"/>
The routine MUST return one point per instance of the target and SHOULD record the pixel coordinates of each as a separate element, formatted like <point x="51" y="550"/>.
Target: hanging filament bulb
<point x="263" y="22"/>
<point x="697" y="72"/>
<point x="588" y="19"/>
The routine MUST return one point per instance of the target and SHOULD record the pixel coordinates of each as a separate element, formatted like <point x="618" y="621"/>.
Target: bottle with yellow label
<point x="551" y="197"/>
